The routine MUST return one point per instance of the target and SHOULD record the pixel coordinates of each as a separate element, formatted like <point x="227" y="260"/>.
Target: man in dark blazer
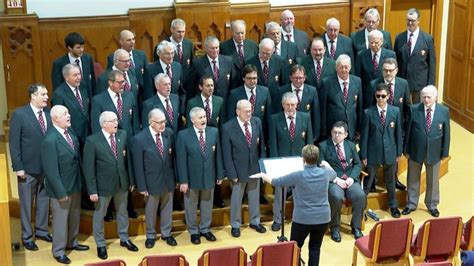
<point x="336" y="43"/>
<point x="368" y="65"/>
<point x="200" y="167"/>
<point x="291" y="34"/>
<point x="166" y="101"/>
<point x="121" y="63"/>
<point x="239" y="48"/>
<point x="427" y="143"/>
<point x="75" y="45"/>
<point x="287" y="50"/>
<point x="290" y="130"/>
<point x="317" y="65"/>
<point x="335" y="106"/>
<point x="381" y="144"/>
<point x="307" y="98"/>
<point x="108" y="173"/>
<point x="207" y="101"/>
<point x="342" y="155"/>
<point x="61" y="161"/>
<point x="165" y="65"/>
<point x="415" y="55"/>
<point x="138" y="59"/>
<point x="74" y="97"/>
<point x="153" y="160"/>
<point x="218" y="66"/>
<point x="360" y="38"/>
<point x="27" y="129"/>
<point x="242" y="146"/>
<point x="272" y="70"/>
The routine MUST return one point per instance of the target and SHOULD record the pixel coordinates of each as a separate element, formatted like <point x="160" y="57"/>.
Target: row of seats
<point x="437" y="242"/>
<point x="276" y="254"/>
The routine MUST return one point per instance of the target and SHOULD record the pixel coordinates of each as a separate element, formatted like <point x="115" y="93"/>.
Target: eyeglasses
<point x="111" y="120"/>
<point x="389" y="70"/>
<point x="159" y="122"/>
<point x="411" y="20"/>
<point x="381" y="96"/>
<point x="120" y="82"/>
<point x="124" y="61"/>
<point x="251" y="78"/>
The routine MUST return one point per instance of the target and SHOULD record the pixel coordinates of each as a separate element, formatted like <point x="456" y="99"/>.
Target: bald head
<point x="127" y="40"/>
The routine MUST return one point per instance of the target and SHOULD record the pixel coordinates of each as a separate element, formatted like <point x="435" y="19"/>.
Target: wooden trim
<point x="5" y="242"/>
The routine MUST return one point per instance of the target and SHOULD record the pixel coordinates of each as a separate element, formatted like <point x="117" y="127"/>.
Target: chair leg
<point x="354" y="256"/>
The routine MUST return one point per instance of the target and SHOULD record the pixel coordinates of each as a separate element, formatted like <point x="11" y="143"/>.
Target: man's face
<point x="74" y="77"/>
<point x="332" y="31"/>
<point x="238" y="34"/>
<point x="212" y="49"/>
<point x="167" y="55"/>
<point x="199" y="120"/>
<point x="123" y="62"/>
<point x="178" y="32"/>
<point x="207" y="88"/>
<point x="287" y="21"/>
<point x="77" y="50"/>
<point x="127" y="42"/>
<point x="381" y="97"/>
<point x="343" y="69"/>
<point x="338" y="134"/>
<point x="375" y="44"/>
<point x="158" y="123"/>
<point x="412" y="22"/>
<point x="275" y="35"/>
<point x="371" y="22"/>
<point x="428" y="99"/>
<point x="250" y="80"/>
<point x="265" y="53"/>
<point x="164" y="87"/>
<point x="245" y="112"/>
<point x="298" y="78"/>
<point x="289" y="105"/>
<point x="64" y="119"/>
<point x="317" y="50"/>
<point x="39" y="99"/>
<point x="389" y="72"/>
<point x="117" y="85"/>
<point x="110" y="124"/>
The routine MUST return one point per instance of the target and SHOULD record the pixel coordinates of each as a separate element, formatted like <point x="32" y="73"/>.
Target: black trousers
<point x="299" y="232"/>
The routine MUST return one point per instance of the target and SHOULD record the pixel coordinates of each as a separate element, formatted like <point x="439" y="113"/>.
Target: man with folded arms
<point x="61" y="161"/>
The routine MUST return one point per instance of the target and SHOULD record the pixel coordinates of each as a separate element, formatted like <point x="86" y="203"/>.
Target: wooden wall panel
<point x="254" y="15"/>
<point x="358" y="9"/>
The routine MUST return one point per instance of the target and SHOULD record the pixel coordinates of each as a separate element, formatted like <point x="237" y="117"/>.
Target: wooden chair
<point x="388" y="240"/>
<point x="467" y="240"/>
<point x="165" y="260"/>
<point x="437" y="240"/>
<point x="229" y="256"/>
<point x="277" y="254"/>
<point x="439" y="263"/>
<point x="117" y="262"/>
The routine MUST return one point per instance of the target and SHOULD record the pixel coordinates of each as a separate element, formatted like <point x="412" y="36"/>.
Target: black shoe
<point x="108" y="217"/>
<point x="434" y="212"/>
<point x="235" y="232"/>
<point x="102" y="252"/>
<point x="170" y="241"/>
<point x="132" y="214"/>
<point x="195" y="239"/>
<point x="395" y="212"/>
<point x="79" y="247"/>
<point x="263" y="200"/>
<point x="276" y="226"/>
<point x="129" y="245"/>
<point x="218" y="203"/>
<point x="400" y="186"/>
<point x="258" y="227"/>
<point x="209" y="236"/>
<point x="357" y="233"/>
<point x="150" y="243"/>
<point x="48" y="238"/>
<point x="407" y="211"/>
<point x="30" y="245"/>
<point x="336" y="236"/>
<point x="63" y="259"/>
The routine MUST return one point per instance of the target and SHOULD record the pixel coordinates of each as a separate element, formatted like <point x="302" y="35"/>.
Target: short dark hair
<point x="310" y="154"/>
<point x="297" y="68"/>
<point x="249" y="68"/>
<point x="390" y="61"/>
<point x="382" y="87"/>
<point x="33" y="88"/>
<point x="203" y="78"/>
<point x="341" y="124"/>
<point x="414" y="11"/>
<point x="73" y="38"/>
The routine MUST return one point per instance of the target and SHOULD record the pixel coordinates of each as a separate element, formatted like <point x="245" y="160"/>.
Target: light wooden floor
<point x="456" y="199"/>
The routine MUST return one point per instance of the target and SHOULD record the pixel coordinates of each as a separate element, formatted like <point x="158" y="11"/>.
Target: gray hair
<point x="343" y="57"/>
<point x="372" y="12"/>
<point x="237" y="23"/>
<point x="163" y="45"/>
<point x="118" y="53"/>
<point x="160" y="77"/>
<point x="431" y="90"/>
<point x="194" y="112"/>
<point x="288" y="96"/>
<point x="155" y="112"/>
<point x="272" y="25"/>
<point x="333" y="21"/>
<point x="266" y="42"/>
<point x="106" y="115"/>
<point x="211" y="39"/>
<point x="67" y="69"/>
<point x="242" y="103"/>
<point x="376" y="34"/>
<point x="56" y="111"/>
<point x="177" y="22"/>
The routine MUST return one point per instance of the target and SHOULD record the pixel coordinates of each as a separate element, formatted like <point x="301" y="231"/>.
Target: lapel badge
<point x="213" y="148"/>
<point x="142" y="70"/>
<point x="303" y="134"/>
<point x="262" y="108"/>
<point x="90" y="77"/>
<point x="308" y="106"/>
<point x="392" y="124"/>
<point x="228" y="76"/>
<point x="276" y="78"/>
<point x="130" y="111"/>
<point x="258" y="140"/>
<point x="355" y="97"/>
<point x="124" y="153"/>
<point x="179" y="82"/>
<point x="170" y="151"/>
<point x="290" y="61"/>
<point x="440" y="126"/>
<point x="401" y="100"/>
<point x="350" y="161"/>
<point x="188" y="61"/>
<point x="217" y="119"/>
<point x="423" y="52"/>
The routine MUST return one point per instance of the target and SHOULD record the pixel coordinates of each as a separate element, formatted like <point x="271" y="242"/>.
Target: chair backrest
<point x="117" y="262"/>
<point x="467" y="242"/>
<point x="165" y="260"/>
<point x="229" y="256"/>
<point x="277" y="254"/>
<point x="98" y="69"/>
<point x="438" y="239"/>
<point x="438" y="263"/>
<point x="392" y="239"/>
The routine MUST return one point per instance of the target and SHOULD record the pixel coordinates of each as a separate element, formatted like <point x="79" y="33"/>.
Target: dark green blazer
<point x="279" y="135"/>
<point x="289" y="52"/>
<point x="228" y="48"/>
<point x="104" y="174"/>
<point x="198" y="170"/>
<point x="140" y="61"/>
<point x="217" y="110"/>
<point x="327" y="152"/>
<point x="61" y="164"/>
<point x="88" y="74"/>
<point x="343" y="46"/>
<point x="155" y="102"/>
<point x="103" y="82"/>
<point x="263" y="103"/>
<point x="327" y="69"/>
<point x="381" y="144"/>
<point x="301" y="40"/>
<point x="151" y="70"/>
<point x="358" y="40"/>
